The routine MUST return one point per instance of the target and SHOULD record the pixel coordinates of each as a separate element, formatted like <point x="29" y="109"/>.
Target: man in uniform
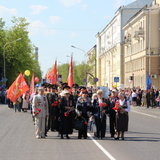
<point x="40" y="112"/>
<point x="53" y="108"/>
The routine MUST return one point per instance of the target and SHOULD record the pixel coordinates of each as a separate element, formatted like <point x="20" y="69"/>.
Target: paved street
<point x="17" y="141"/>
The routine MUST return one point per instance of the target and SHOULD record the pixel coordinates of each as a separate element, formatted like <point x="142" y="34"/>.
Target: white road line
<point x="145" y="114"/>
<point x="101" y="148"/>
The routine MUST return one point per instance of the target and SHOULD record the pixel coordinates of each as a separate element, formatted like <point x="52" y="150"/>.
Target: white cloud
<point x="38" y="27"/>
<point x="69" y="3"/>
<point x="37" y="9"/>
<point x="4" y="11"/>
<point x="55" y="19"/>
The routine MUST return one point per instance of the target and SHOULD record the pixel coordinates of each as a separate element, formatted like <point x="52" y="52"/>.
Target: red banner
<point x="51" y="76"/>
<point x="18" y="87"/>
<point x="70" y="80"/>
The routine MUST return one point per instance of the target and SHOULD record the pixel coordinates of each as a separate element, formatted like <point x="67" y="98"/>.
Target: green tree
<point x="19" y="55"/>
<point x="63" y="70"/>
<point x="79" y="72"/>
<point x="2" y="42"/>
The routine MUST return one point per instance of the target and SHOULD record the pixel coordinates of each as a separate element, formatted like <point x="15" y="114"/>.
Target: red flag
<point x="32" y="85"/>
<point x="18" y="87"/>
<point x="47" y="77"/>
<point x="70" y="76"/>
<point x="51" y="76"/>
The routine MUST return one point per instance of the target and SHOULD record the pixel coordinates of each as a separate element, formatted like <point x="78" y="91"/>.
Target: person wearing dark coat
<point x="100" y="109"/>
<point x="148" y="97"/>
<point x="152" y="98"/>
<point x="65" y="112"/>
<point x="112" y="113"/>
<point x="122" y="108"/>
<point x="83" y="109"/>
<point x="53" y="109"/>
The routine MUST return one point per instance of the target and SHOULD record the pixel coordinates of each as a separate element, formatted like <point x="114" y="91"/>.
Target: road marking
<point x="101" y="148"/>
<point x="145" y="114"/>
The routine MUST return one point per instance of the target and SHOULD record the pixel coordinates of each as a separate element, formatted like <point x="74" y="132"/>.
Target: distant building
<point x="110" y="53"/>
<point x="142" y="47"/>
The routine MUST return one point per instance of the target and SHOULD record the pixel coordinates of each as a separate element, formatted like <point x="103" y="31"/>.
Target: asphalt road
<point x="17" y="140"/>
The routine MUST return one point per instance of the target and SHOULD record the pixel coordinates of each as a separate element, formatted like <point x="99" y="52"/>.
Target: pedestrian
<point x="65" y="111"/>
<point x="40" y="111"/>
<point x="83" y="109"/>
<point x="134" y="98"/>
<point x="17" y="104"/>
<point x="123" y="107"/>
<point x="148" y="98"/>
<point x="112" y="113"/>
<point x="139" y="97"/>
<point x="152" y="98"/>
<point x="25" y="104"/>
<point x="144" y="98"/>
<point x="53" y="108"/>
<point x="100" y="109"/>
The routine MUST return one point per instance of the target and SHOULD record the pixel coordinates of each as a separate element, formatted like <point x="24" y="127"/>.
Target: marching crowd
<point x="63" y="109"/>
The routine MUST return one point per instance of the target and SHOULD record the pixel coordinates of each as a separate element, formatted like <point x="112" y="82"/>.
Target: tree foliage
<point x="19" y="55"/>
<point x="79" y="72"/>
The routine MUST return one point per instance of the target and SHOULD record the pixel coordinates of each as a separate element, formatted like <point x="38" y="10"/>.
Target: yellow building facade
<point x="142" y="48"/>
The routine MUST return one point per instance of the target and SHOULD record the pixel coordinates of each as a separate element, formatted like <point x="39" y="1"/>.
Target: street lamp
<point x="86" y="63"/>
<point x="4" y="61"/>
<point x="78" y="48"/>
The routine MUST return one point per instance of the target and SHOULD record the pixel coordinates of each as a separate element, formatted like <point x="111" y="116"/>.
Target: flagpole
<point x="84" y="60"/>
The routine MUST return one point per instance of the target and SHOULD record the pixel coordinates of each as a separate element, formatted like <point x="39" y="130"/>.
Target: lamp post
<point x="83" y="52"/>
<point x="78" y="48"/>
<point x="94" y="77"/>
<point x="4" y="61"/>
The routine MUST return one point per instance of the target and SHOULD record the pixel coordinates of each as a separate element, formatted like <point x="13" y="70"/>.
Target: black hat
<point x="64" y="84"/>
<point x="82" y="87"/>
<point x="75" y="86"/>
<point x="53" y="86"/>
<point x="66" y="87"/>
<point x="45" y="85"/>
<point x="85" y="92"/>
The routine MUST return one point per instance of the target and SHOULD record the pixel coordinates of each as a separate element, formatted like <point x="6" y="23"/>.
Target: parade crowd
<point x="62" y="109"/>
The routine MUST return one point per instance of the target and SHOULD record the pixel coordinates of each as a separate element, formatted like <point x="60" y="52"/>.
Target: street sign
<point x="84" y="80"/>
<point x="95" y="79"/>
<point x="116" y="79"/>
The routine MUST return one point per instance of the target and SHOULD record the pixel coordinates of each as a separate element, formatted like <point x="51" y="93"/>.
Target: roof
<point x="138" y="4"/>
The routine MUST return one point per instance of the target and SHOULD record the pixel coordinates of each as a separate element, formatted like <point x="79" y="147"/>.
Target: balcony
<point x="139" y="34"/>
<point x="127" y="40"/>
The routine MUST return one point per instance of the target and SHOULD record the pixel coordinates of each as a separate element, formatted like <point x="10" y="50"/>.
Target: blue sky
<point x="55" y="25"/>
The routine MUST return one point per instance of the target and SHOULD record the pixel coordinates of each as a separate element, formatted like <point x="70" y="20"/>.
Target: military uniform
<point x="40" y="111"/>
<point x="53" y="110"/>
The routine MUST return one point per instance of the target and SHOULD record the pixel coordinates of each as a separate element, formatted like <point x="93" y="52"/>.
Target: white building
<point x="110" y="54"/>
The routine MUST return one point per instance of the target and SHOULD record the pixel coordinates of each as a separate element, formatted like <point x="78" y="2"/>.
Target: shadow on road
<point x="131" y="132"/>
<point x="143" y="139"/>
